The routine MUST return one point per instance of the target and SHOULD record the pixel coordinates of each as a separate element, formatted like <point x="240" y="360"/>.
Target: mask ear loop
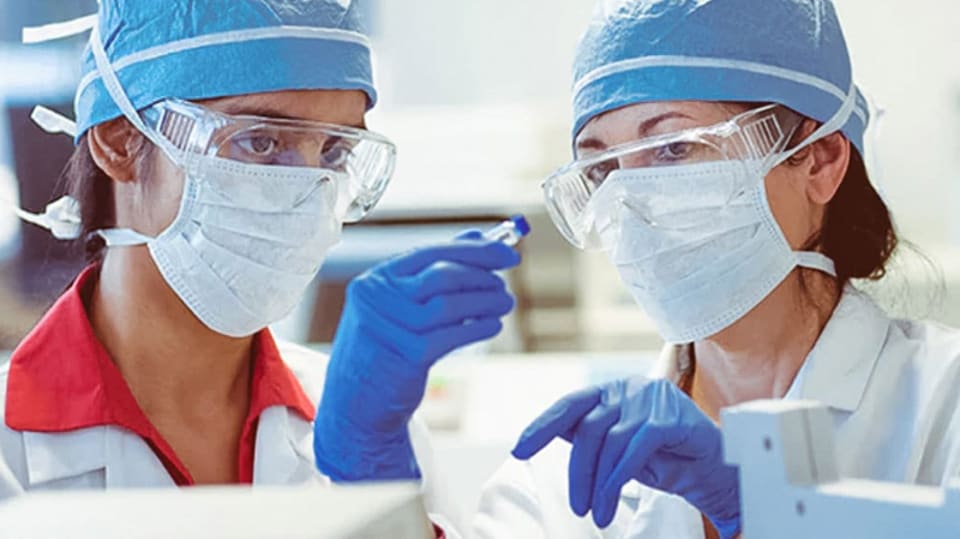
<point x="835" y="124"/>
<point x="125" y="237"/>
<point x="813" y="259"/>
<point x="62" y="216"/>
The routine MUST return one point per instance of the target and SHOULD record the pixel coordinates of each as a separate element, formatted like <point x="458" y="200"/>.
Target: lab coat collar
<point x="837" y="370"/>
<point x="284" y="452"/>
<point x="62" y="384"/>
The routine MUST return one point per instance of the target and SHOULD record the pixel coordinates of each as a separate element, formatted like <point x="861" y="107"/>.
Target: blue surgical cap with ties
<point x="790" y="52"/>
<point x="159" y="49"/>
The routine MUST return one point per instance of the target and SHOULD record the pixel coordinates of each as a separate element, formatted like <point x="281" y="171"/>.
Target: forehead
<point x="340" y="107"/>
<point x="640" y="120"/>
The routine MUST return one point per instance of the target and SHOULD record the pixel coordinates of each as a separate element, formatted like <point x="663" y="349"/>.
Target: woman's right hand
<point x="641" y="429"/>
<point x="399" y="319"/>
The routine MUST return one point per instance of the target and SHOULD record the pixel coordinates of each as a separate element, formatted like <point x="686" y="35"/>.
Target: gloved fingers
<point x="427" y="332"/>
<point x="642" y="447"/>
<point x="557" y="421"/>
<point x="647" y="477"/>
<point x="701" y="439"/>
<point x="455" y="309"/>
<point x="381" y="298"/>
<point x="692" y="435"/>
<point x="587" y="441"/>
<point x="472" y="234"/>
<point x="377" y="297"/>
<point x="612" y="451"/>
<point x="446" y="277"/>
<point x="489" y="255"/>
<point x="366" y="329"/>
<point x="440" y="342"/>
<point x="444" y="312"/>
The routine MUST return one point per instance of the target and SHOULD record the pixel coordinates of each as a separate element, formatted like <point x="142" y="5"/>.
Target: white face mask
<point x="697" y="278"/>
<point x="246" y="242"/>
<point x="694" y="259"/>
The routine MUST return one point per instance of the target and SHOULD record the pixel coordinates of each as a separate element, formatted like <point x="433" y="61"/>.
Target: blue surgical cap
<point x="191" y="49"/>
<point x="790" y="52"/>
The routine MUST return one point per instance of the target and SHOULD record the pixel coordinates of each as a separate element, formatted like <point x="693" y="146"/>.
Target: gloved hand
<point x="640" y="429"/>
<point x="398" y="320"/>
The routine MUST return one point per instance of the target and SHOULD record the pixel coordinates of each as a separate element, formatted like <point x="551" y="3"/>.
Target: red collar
<point x="62" y="379"/>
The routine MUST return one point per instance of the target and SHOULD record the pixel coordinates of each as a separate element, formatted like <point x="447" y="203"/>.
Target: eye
<point x="676" y="151"/>
<point x="336" y="152"/>
<point x="258" y="145"/>
<point x="598" y="173"/>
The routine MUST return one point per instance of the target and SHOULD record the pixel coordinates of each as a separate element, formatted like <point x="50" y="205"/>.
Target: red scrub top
<point x="62" y="379"/>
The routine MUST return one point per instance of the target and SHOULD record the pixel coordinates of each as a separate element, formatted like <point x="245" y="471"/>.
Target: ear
<point x="826" y="167"/>
<point x="115" y="147"/>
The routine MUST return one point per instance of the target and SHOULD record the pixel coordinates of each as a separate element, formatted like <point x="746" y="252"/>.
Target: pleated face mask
<point x="689" y="225"/>
<point x="263" y="202"/>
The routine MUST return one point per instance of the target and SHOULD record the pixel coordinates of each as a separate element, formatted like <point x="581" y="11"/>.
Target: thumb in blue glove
<point x="641" y="429"/>
<point x="398" y="320"/>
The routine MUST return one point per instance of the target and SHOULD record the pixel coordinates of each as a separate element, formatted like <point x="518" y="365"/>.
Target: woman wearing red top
<point x="221" y="145"/>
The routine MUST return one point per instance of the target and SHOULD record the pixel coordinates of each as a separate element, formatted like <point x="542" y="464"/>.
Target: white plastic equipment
<point x="791" y="489"/>
<point x="361" y="512"/>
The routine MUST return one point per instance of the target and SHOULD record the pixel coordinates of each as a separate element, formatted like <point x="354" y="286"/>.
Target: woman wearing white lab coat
<point x="718" y="161"/>
<point x="221" y="147"/>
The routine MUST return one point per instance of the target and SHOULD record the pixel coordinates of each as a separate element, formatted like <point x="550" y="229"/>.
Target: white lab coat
<point x="111" y="457"/>
<point x="892" y="387"/>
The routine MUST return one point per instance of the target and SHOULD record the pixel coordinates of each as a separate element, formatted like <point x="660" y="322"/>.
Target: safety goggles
<point x="739" y="150"/>
<point x="361" y="159"/>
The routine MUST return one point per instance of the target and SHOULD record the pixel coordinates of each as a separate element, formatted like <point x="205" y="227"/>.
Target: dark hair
<point x="93" y="189"/>
<point x="858" y="233"/>
<point x="86" y="182"/>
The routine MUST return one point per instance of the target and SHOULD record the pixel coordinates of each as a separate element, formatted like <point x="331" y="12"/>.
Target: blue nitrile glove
<point x="640" y="429"/>
<point x="398" y="320"/>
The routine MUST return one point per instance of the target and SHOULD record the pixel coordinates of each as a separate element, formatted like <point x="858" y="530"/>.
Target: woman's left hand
<point x="641" y="429"/>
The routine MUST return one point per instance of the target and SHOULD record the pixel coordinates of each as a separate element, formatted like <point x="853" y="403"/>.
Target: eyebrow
<point x="266" y="111"/>
<point x="642" y="131"/>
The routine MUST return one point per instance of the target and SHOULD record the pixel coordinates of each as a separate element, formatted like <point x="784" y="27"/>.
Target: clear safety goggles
<point x="364" y="160"/>
<point x="745" y="148"/>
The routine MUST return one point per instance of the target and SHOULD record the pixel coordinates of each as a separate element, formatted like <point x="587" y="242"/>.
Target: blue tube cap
<point x="521" y="224"/>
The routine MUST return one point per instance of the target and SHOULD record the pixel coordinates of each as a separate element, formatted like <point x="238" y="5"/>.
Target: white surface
<point x="776" y="506"/>
<point x="504" y="393"/>
<point x="317" y="513"/>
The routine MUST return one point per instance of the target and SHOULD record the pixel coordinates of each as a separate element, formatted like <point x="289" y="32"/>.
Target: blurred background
<point x="476" y="95"/>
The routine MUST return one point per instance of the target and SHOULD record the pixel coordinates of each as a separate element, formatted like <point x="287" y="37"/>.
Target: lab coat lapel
<point x="124" y="458"/>
<point x="284" y="449"/>
<point x="841" y="363"/>
<point x="131" y="463"/>
<point x="55" y="456"/>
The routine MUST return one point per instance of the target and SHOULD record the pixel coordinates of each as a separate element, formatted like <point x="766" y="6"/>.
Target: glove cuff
<point x="727" y="530"/>
<point x="348" y="459"/>
<point x="727" y="519"/>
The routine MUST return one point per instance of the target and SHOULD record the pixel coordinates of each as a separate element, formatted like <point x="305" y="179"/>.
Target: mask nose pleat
<point x="247" y="242"/>
<point x="697" y="245"/>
